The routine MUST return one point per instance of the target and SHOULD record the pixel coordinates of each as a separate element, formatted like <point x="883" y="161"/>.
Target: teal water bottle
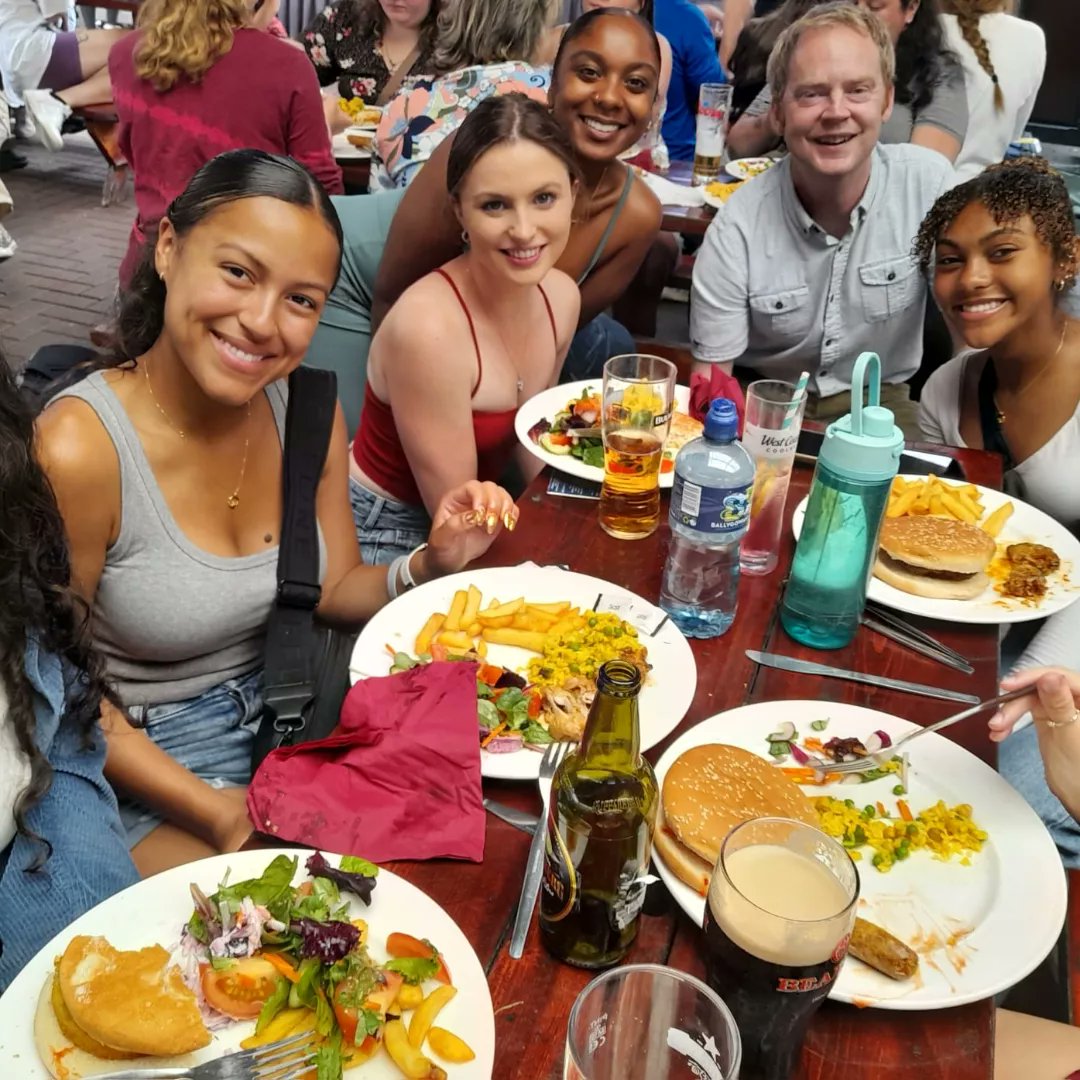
<point x="826" y="591"/>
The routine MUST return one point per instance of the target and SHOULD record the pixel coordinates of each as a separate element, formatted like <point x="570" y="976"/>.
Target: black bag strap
<point x="290" y="662"/>
<point x="989" y="418"/>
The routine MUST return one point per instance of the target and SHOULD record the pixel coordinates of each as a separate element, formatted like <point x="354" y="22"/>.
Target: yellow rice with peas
<point x="600" y="637"/>
<point x="944" y="831"/>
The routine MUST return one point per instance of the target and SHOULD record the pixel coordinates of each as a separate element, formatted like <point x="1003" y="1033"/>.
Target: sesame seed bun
<point x="934" y="556"/>
<point x="711" y="789"/>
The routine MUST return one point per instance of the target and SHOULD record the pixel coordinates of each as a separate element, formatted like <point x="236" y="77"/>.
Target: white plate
<point x="1012" y="897"/>
<point x="712" y="200"/>
<point x="344" y="150"/>
<point x="545" y="405"/>
<point x="743" y="168"/>
<point x="990" y="607"/>
<point x="665" y="697"/>
<point x="155" y="910"/>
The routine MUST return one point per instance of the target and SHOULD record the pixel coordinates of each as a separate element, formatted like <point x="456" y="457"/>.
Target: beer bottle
<point x="599" y="831"/>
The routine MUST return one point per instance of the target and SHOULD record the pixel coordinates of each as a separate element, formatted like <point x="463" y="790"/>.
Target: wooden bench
<point x="103" y="125"/>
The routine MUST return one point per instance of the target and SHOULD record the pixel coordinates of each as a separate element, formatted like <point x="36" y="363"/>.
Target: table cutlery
<point x="861" y="764"/>
<point x="807" y="667"/>
<point x="911" y="637"/>
<point x="286" y="1059"/>
<point x="520" y="819"/>
<point x="530" y="889"/>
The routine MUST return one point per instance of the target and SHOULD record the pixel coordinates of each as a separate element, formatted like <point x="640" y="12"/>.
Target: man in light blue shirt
<point x="810" y="264"/>
<point x="693" y="62"/>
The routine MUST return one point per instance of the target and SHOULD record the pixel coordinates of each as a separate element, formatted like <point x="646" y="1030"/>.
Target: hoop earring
<point x="465" y="238"/>
<point x="1059" y="285"/>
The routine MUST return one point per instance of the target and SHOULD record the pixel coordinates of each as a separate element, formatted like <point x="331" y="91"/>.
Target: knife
<point x="518" y="818"/>
<point x="920" y="644"/>
<point x="807" y="667"/>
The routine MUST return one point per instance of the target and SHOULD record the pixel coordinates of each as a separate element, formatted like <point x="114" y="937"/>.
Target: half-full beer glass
<point x="778" y="919"/>
<point x="710" y="141"/>
<point x="639" y="392"/>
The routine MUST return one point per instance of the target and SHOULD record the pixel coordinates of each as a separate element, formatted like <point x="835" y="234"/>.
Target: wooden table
<point x="690" y="220"/>
<point x="533" y="996"/>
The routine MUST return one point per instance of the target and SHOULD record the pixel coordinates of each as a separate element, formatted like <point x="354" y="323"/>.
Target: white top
<point x="14" y="772"/>
<point x="1018" y="53"/>
<point x="26" y="45"/>
<point x="1047" y="479"/>
<point x="775" y="293"/>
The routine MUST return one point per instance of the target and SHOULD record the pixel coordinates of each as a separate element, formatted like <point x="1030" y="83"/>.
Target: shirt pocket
<point x="783" y="315"/>
<point x="890" y="286"/>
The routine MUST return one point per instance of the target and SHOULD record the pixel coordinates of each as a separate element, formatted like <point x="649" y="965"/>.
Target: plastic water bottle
<point x="826" y="591"/>
<point x="710" y="510"/>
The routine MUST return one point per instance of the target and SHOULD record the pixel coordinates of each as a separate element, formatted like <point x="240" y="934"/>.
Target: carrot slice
<point x="905" y="810"/>
<point x="282" y="965"/>
<point x="494" y="733"/>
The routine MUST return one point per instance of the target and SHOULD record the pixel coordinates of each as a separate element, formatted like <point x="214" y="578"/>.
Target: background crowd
<point x="507" y="218"/>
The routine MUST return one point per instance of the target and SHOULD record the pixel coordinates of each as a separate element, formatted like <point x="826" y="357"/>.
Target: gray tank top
<point x="172" y="620"/>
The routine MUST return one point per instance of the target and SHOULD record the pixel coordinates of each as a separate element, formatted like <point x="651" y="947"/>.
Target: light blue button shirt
<point x="777" y="294"/>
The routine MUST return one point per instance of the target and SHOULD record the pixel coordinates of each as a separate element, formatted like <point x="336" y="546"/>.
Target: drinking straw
<point x="800" y="391"/>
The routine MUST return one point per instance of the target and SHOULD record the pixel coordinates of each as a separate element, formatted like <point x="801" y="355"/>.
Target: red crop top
<point x="377" y="448"/>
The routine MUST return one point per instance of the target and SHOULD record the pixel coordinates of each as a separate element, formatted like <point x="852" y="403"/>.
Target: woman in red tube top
<point x="467" y="344"/>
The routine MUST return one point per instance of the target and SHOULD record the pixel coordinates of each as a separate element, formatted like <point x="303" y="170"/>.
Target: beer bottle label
<point x="559" y="884"/>
<point x="711" y="510"/>
<point x="629" y="899"/>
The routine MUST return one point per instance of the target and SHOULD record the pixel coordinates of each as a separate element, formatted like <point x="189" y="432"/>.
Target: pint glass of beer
<point x="714" y="108"/>
<point x="639" y="392"/>
<point x="644" y="1021"/>
<point x="778" y="919"/>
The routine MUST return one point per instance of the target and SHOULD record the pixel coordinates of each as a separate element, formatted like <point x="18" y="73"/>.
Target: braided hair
<point x="1021" y="187"/>
<point x="968" y="13"/>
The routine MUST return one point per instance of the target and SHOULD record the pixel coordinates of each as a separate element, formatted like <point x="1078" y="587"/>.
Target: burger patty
<point x="1026" y="584"/>
<point x="1040" y="558"/>
<point x="922" y="571"/>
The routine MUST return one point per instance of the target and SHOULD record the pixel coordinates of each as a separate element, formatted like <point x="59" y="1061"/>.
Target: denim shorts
<point x="386" y="528"/>
<point x="210" y="735"/>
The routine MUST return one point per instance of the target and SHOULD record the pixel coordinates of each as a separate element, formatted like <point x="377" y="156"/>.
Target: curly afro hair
<point x="1022" y="187"/>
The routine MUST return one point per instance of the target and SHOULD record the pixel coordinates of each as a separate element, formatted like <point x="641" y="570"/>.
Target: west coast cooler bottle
<point x="599" y="831"/>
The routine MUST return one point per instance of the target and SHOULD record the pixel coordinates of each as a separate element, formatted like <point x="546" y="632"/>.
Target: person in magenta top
<point x="203" y="77"/>
<point x="468" y="343"/>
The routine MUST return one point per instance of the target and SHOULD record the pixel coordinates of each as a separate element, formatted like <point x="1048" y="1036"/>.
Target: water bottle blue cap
<point x="722" y="420"/>
<point x="865" y="444"/>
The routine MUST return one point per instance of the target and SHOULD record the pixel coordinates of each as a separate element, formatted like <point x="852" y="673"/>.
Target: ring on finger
<point x="1064" y="723"/>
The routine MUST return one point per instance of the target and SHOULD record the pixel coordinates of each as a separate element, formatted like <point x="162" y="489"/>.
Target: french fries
<point x="934" y="496"/>
<point x="469" y="626"/>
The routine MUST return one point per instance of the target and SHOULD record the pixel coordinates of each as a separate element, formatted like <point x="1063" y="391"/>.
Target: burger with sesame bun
<point x="935" y="557"/>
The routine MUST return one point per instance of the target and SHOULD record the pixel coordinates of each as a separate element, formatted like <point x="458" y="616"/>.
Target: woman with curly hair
<point x="1004" y="59"/>
<point x="202" y="77"/>
<point x="367" y="48"/>
<point x="1001" y="253"/>
<point x="930" y="104"/>
<point x="62" y="848"/>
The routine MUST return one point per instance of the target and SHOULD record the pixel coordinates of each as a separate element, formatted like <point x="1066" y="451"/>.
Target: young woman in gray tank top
<point x="167" y="468"/>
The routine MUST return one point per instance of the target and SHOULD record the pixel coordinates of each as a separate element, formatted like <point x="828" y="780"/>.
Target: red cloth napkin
<point x="718" y="384"/>
<point x="398" y="779"/>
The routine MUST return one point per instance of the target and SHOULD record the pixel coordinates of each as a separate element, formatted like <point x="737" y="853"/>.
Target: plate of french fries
<point x="1008" y="520"/>
<point x="512" y="615"/>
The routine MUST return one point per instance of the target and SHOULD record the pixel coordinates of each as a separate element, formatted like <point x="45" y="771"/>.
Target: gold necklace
<point x="233" y="501"/>
<point x="1042" y="371"/>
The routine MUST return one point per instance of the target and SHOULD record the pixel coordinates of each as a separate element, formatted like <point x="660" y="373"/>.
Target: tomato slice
<point x="405" y="945"/>
<point x="240" y="990"/>
<point x="379" y="1000"/>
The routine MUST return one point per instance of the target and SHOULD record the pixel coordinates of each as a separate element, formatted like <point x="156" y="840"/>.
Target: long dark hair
<point x="580" y="25"/>
<point x="370" y="21"/>
<point x="503" y="119"/>
<point x="36" y="601"/>
<point x="758" y="36"/>
<point x="227" y="178"/>
<point x="922" y="59"/>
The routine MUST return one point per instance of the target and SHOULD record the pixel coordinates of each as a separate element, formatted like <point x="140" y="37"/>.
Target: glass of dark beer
<point x="643" y="1022"/>
<point x="778" y="918"/>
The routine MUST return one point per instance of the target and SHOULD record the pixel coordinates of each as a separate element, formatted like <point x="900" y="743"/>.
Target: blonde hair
<point x="472" y="32"/>
<point x="185" y="37"/>
<point x="968" y="13"/>
<point x="836" y="14"/>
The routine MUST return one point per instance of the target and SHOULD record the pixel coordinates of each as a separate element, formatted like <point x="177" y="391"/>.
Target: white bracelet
<point x="399" y="578"/>
<point x="407" y="580"/>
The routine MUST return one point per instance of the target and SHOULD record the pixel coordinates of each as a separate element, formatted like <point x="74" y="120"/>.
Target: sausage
<point x="883" y="952"/>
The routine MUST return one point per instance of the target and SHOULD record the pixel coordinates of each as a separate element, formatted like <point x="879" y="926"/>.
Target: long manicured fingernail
<point x="492" y="521"/>
<point x="512" y="524"/>
<point x="508" y="521"/>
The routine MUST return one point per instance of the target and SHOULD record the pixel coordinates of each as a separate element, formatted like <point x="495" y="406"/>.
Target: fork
<point x="869" y="762"/>
<point x="286" y="1059"/>
<point x="530" y="889"/>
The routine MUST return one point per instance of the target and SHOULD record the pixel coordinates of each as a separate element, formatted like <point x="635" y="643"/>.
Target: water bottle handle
<point x="858" y="377"/>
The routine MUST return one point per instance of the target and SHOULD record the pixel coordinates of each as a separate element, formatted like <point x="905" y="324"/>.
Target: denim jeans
<point x="210" y="735"/>
<point x="593" y="346"/>
<point x="385" y="527"/>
